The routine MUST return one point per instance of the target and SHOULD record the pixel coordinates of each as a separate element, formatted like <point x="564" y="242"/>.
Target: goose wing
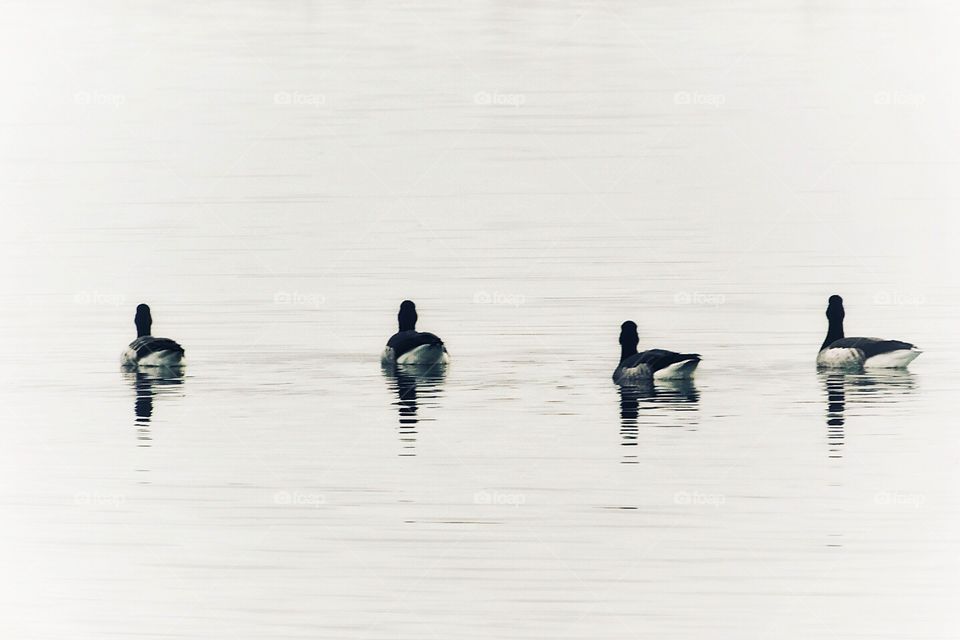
<point x="870" y="346"/>
<point x="657" y="359"/>
<point x="148" y="344"/>
<point x="409" y="340"/>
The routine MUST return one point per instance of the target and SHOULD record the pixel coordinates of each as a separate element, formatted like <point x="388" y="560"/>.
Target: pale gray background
<point x="274" y="177"/>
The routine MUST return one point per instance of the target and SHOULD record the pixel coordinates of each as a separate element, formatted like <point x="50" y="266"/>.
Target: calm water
<point x="273" y="178"/>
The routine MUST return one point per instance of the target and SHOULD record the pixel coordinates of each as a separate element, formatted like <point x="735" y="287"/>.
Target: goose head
<point x="143" y="320"/>
<point x="628" y="339"/>
<point x="407" y="317"/>
<point x="835" y="312"/>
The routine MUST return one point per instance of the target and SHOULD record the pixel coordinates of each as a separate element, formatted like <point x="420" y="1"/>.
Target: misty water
<point x="274" y="178"/>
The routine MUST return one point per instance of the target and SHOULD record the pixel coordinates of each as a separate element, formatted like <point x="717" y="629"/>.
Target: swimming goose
<point x="653" y="364"/>
<point x="409" y="346"/>
<point x="856" y="353"/>
<point x="147" y="350"/>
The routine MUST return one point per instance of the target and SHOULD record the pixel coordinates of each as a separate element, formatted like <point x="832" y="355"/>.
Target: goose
<point x="409" y="346"/>
<point x="147" y="350"/>
<point x="860" y="353"/>
<point x="653" y="364"/>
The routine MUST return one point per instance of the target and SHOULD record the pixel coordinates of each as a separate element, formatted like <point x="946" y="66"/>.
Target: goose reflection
<point x="865" y="389"/>
<point x="416" y="386"/>
<point x="149" y="383"/>
<point x="665" y="404"/>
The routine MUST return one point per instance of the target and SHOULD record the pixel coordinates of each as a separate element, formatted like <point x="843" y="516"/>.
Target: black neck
<point x="143" y="329"/>
<point x="407" y="319"/>
<point x="834" y="333"/>
<point x="626" y="351"/>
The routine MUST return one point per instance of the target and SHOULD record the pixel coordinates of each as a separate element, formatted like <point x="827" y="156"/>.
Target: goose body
<point x="415" y="347"/>
<point x="840" y="352"/>
<point x="411" y="347"/>
<point x="653" y="364"/>
<point x="148" y="350"/>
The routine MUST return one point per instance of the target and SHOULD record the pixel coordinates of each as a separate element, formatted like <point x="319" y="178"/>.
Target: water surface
<point x="273" y="179"/>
